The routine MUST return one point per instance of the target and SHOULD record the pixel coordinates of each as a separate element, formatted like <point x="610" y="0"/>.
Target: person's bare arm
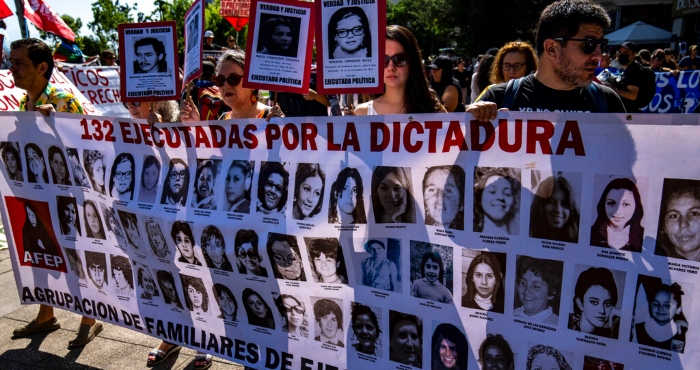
<point x="450" y="98"/>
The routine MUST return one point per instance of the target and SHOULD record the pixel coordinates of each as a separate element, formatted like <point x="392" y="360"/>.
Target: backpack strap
<point x="511" y="92"/>
<point x="599" y="100"/>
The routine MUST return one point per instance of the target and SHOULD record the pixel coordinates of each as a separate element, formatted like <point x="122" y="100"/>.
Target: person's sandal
<point x="86" y="334"/>
<point x="202" y="361"/>
<point x="157" y="356"/>
<point x="34" y="327"/>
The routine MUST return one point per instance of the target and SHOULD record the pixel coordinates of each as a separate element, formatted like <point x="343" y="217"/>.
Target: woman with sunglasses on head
<point x="515" y="59"/>
<point x="405" y="88"/>
<point x="244" y="102"/>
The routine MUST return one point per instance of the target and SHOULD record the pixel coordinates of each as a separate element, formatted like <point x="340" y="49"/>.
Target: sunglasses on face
<point x="232" y="79"/>
<point x="131" y="105"/>
<point x="589" y="45"/>
<point x="400" y="59"/>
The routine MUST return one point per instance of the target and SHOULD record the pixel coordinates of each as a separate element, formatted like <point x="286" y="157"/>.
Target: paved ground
<point x="115" y="348"/>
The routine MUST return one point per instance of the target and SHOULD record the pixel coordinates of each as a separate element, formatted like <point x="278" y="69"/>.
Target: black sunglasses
<point x="589" y="45"/>
<point x="400" y="59"/>
<point x="232" y="79"/>
<point x="135" y="104"/>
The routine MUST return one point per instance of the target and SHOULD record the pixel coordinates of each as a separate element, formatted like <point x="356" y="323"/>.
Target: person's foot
<point x="202" y="361"/>
<point x="86" y="334"/>
<point x="34" y="327"/>
<point x="158" y="355"/>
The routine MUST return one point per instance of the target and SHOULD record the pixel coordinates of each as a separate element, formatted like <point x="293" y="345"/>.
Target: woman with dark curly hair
<point x="285" y="257"/>
<point x="204" y="181"/>
<point x="196" y="296"/>
<point x="497" y="200"/>
<point x="679" y="220"/>
<point x="95" y="168"/>
<point x="485" y="289"/>
<point x="514" y="60"/>
<point x="349" y="34"/>
<point x="538" y="290"/>
<point x="329" y="318"/>
<point x="545" y="357"/>
<point x="272" y="188"/>
<point x="59" y="166"/>
<point x="68" y="216"/>
<point x="36" y="164"/>
<point x="392" y="195"/>
<point x="495" y="353"/>
<point x="122" y="276"/>
<point x="309" y="185"/>
<point x="554" y="214"/>
<point x="450" y="348"/>
<point x="347" y="205"/>
<point x="443" y="196"/>
<point x="619" y="221"/>
<point x="214" y="248"/>
<point x="405" y="88"/>
<point x="327" y="262"/>
<point x="661" y="329"/>
<point x="365" y="328"/>
<point x="595" y="298"/>
<point x="226" y="301"/>
<point x="278" y="37"/>
<point x="10" y="155"/>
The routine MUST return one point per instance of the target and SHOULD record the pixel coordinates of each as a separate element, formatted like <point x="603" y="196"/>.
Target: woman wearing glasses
<point x="405" y="88"/>
<point x="121" y="179"/>
<point x="351" y="38"/>
<point x="177" y="180"/>
<point x="515" y="59"/>
<point x="244" y="102"/>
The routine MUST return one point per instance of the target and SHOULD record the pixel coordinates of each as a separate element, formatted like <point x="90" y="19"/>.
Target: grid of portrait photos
<point x="348" y="262"/>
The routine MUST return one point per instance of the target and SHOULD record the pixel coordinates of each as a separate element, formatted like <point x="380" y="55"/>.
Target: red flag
<point x="46" y="19"/>
<point x="4" y="10"/>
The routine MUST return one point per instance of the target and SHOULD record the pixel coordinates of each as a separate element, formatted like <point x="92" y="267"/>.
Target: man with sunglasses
<point x="637" y="84"/>
<point x="570" y="44"/>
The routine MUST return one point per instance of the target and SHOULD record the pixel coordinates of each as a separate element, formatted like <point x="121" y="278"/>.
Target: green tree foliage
<point x="221" y="27"/>
<point x="471" y="27"/>
<point x="107" y="15"/>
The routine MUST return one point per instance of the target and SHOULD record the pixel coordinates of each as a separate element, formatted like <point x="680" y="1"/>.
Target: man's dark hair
<point x="563" y="19"/>
<point x="38" y="52"/>
<point x="158" y="46"/>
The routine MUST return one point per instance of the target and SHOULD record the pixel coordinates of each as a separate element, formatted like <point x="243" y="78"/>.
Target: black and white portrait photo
<point x="130" y="224"/>
<point x="205" y="179"/>
<point x="619" y="214"/>
<point x="237" y="186"/>
<point x="349" y="34"/>
<point x="431" y="272"/>
<point x="214" y="249"/>
<point x="169" y="289"/>
<point x="79" y="176"/>
<point x="256" y="308"/>
<point x="177" y="182"/>
<point x="75" y="263"/>
<point x="449" y="348"/>
<point x="114" y="229"/>
<point x="226" y="301"/>
<point x="597" y="301"/>
<point x="121" y="178"/>
<point x="292" y="311"/>
<point x="537" y="289"/>
<point x="285" y="257"/>
<point x="36" y="164"/>
<point x="660" y="310"/>
<point x="594" y="363"/>
<point x="495" y="353"/>
<point x="497" y="200"/>
<point x="94" y="161"/>
<point x="147" y="287"/>
<point x="327" y="260"/>
<point x="328" y="315"/>
<point x="194" y="24"/>
<point x="545" y="357"/>
<point x="278" y="35"/>
<point x="184" y="240"/>
<point x="156" y="238"/>
<point x="248" y="257"/>
<point x="555" y="211"/>
<point x="366" y="324"/>
<point x="678" y="234"/>
<point x="196" y="296"/>
<point x="483" y="276"/>
<point x="272" y="189"/>
<point x="68" y="219"/>
<point x="150" y="178"/>
<point x="59" y="166"/>
<point x="150" y="55"/>
<point x="12" y="160"/>
<point x="93" y="221"/>
<point x="193" y="36"/>
<point x="309" y="185"/>
<point x="347" y="203"/>
<point x="97" y="269"/>
<point x="443" y="196"/>
<point x="405" y="339"/>
<point x="380" y="269"/>
<point x="122" y="276"/>
<point x="392" y="195"/>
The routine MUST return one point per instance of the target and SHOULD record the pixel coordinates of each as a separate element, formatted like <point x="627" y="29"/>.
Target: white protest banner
<point x="99" y="84"/>
<point x="282" y="40"/>
<point x="378" y="241"/>
<point x="194" y="23"/>
<point x="10" y="94"/>
<point x="350" y="49"/>
<point x="148" y="59"/>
